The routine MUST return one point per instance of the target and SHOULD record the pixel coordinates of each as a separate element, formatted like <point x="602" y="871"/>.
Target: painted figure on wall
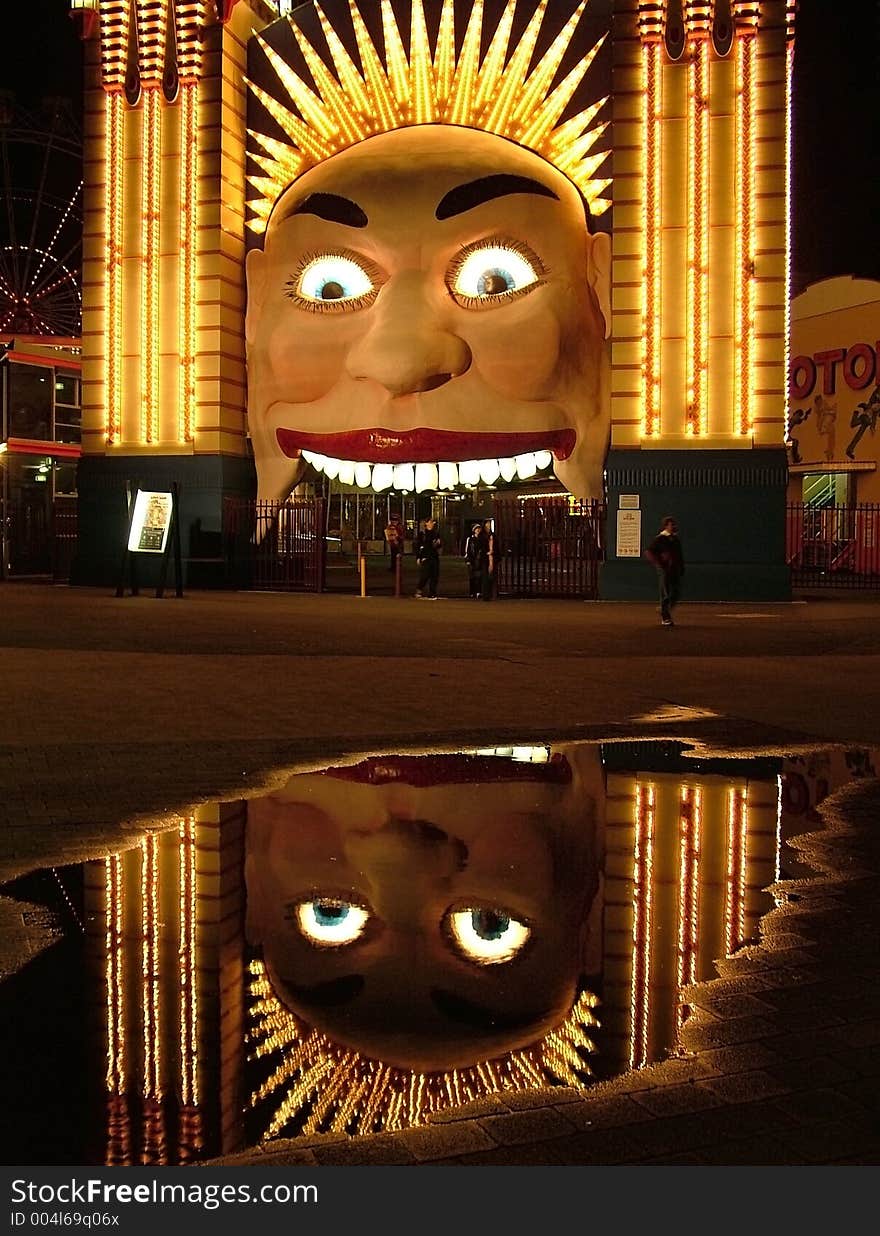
<point x="430" y="303"/>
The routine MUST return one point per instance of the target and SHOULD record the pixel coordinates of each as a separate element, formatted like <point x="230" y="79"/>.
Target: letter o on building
<point x="801" y="386"/>
<point x="858" y="381"/>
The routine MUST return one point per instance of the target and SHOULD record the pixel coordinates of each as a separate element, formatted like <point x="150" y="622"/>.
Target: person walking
<point x="427" y="547"/>
<point x="472" y="558"/>
<point x="394" y="537"/>
<point x="666" y="556"/>
<point x="487" y="560"/>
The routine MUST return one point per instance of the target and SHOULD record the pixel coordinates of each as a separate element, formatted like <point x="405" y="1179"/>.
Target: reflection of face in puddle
<point x="429" y="912"/>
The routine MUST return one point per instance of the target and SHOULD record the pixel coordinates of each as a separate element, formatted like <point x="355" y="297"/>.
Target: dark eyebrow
<point x="486" y="189"/>
<point x="332" y="207"/>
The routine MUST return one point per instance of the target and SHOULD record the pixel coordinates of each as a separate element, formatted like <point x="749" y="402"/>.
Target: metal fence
<point x="65" y="525"/>
<point x="548" y="547"/>
<point x="833" y="546"/>
<point x="278" y="546"/>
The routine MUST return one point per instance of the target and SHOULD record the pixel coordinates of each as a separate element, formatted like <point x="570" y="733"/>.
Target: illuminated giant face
<point x="426" y="918"/>
<point x="429" y="308"/>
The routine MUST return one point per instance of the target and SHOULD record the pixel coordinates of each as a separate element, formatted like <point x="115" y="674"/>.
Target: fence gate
<point x="278" y="546"/>
<point x="833" y="546"/>
<point x="548" y="547"/>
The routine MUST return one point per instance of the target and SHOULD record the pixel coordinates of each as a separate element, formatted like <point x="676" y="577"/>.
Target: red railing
<point x="834" y="546"/>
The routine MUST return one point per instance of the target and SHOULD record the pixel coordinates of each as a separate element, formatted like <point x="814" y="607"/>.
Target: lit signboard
<point x="150" y="522"/>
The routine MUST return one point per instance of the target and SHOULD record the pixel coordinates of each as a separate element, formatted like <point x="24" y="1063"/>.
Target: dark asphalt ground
<point x="118" y="712"/>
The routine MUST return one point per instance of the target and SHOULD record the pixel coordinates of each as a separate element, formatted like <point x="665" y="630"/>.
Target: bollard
<point x="363" y="566"/>
<point x="397" y="573"/>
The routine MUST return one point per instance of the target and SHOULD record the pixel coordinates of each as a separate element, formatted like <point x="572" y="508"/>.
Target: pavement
<point x="122" y="712"/>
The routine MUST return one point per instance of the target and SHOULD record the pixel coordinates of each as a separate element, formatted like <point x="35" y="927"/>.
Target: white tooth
<point x="507" y="468"/>
<point x="346" y="472"/>
<point x="317" y="461"/>
<point x="363" y="475"/>
<point x="331" y="467"/>
<point x="525" y="466"/>
<point x="383" y="477"/>
<point x="426" y="477"/>
<point x="448" y="475"/>
<point x="489" y="471"/>
<point x="404" y="476"/>
<point x="469" y="472"/>
<point x="543" y="459"/>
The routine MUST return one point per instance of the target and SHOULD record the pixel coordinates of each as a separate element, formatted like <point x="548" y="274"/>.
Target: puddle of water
<point x="376" y="941"/>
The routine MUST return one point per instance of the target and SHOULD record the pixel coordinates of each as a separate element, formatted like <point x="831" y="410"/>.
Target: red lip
<point x="424" y="445"/>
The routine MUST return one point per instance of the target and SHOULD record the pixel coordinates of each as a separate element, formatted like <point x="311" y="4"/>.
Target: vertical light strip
<point x="734" y="902"/>
<point x="651" y="68"/>
<point x="697" y="412"/>
<point x="118" y="1149"/>
<point x="150" y="957"/>
<point x="786" y="342"/>
<point x="151" y="157"/>
<point x="116" y="1063"/>
<point x="778" y="868"/>
<point x="744" y="282"/>
<point x="188" y="225"/>
<point x="689" y="838"/>
<point x="189" y="1080"/>
<point x="643" y="864"/>
<point x="113" y="182"/>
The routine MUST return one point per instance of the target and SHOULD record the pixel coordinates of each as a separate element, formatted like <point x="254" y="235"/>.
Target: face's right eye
<point x="330" y="922"/>
<point x="333" y="281"/>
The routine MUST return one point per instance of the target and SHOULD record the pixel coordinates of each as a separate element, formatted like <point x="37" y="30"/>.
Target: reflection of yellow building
<point x="687" y="860"/>
<point x="165" y="922"/>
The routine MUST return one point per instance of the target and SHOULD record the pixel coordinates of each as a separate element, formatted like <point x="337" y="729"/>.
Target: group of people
<point x="479" y="553"/>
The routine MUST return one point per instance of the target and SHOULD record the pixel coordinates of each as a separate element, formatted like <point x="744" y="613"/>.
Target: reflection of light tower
<point x="165" y="921"/>
<point x="689" y="855"/>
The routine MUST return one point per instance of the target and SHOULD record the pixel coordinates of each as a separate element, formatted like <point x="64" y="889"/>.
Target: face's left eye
<point x="331" y="921"/>
<point x="333" y="280"/>
<point x="486" y="934"/>
<point x="487" y="273"/>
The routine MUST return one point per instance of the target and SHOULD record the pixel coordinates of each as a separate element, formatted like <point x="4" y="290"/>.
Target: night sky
<point x="836" y="163"/>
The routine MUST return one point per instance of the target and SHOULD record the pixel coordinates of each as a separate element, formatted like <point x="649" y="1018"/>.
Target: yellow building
<point x="834" y="384"/>
<point x="698" y="114"/>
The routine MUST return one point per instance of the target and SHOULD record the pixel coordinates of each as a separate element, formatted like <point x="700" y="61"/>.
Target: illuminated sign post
<point x="153" y="528"/>
<point x="151" y="522"/>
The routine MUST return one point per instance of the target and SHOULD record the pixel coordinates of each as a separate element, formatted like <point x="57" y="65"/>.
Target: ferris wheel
<point x="40" y="220"/>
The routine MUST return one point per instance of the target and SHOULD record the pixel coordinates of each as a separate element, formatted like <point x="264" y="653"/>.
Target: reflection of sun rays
<point x="325" y="1087"/>
<point x="497" y="93"/>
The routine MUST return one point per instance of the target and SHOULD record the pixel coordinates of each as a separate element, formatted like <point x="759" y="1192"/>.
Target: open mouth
<point x="426" y="459"/>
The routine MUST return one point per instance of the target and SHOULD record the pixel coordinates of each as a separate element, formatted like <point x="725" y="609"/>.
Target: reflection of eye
<point x="492" y="270"/>
<point x="487" y="934"/>
<point x="331" y="921"/>
<point x="332" y="281"/>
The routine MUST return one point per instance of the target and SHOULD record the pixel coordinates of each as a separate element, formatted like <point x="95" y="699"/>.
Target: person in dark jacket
<point x="427" y="550"/>
<point x="487" y="561"/>
<point x="472" y="558"/>
<point x="666" y="556"/>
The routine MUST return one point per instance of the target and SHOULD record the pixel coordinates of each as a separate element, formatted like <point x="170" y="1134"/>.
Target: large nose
<point x="408" y="348"/>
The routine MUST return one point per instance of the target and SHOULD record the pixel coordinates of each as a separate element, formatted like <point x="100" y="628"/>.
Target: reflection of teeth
<point x="423" y="477"/>
<point x="523" y="755"/>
